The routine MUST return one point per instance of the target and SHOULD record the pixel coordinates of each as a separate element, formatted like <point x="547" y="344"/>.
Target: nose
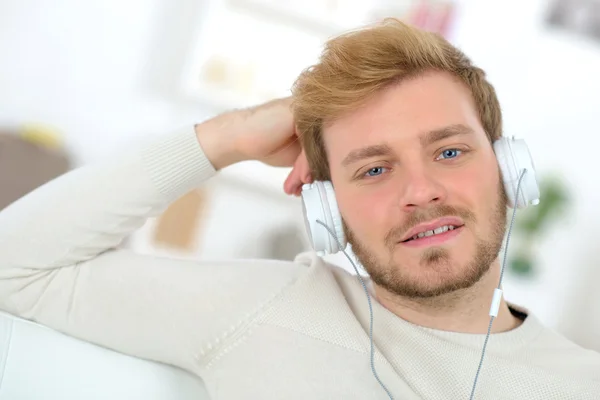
<point x="421" y="189"/>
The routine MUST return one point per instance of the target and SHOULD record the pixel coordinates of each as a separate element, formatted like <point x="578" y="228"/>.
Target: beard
<point x="437" y="274"/>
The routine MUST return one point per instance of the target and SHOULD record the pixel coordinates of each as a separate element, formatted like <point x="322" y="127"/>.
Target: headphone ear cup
<point x="336" y="217"/>
<point x="513" y="157"/>
<point x="319" y="204"/>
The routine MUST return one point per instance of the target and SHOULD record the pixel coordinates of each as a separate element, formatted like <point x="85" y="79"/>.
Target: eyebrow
<point x="367" y="152"/>
<point x="437" y="135"/>
<point x="429" y="138"/>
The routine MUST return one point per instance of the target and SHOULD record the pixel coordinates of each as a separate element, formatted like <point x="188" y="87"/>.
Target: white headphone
<point x="319" y="202"/>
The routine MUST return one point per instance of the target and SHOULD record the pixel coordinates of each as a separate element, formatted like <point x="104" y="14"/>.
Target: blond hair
<point x="357" y="65"/>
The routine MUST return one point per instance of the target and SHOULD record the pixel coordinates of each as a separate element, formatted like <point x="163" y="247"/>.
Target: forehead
<point x="402" y="113"/>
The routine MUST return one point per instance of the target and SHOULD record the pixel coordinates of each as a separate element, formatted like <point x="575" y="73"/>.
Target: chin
<point x="436" y="271"/>
<point x="445" y="258"/>
<point x="429" y="271"/>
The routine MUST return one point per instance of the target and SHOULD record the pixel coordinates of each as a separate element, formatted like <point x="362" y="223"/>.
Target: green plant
<point x="531" y="223"/>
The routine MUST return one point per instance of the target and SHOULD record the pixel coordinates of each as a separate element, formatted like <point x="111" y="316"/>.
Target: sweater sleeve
<point x="60" y="266"/>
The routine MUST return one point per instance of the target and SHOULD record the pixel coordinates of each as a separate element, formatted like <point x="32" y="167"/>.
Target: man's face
<point x="416" y="159"/>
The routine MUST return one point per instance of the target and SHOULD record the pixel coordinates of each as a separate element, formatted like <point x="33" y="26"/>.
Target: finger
<point x="295" y="186"/>
<point x="300" y="175"/>
<point x="303" y="168"/>
<point x="286" y="155"/>
<point x="294" y="180"/>
<point x="291" y="183"/>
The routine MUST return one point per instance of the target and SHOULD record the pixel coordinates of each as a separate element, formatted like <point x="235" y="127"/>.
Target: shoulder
<point x="319" y="267"/>
<point x="554" y="345"/>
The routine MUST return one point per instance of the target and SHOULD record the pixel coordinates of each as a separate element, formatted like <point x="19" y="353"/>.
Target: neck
<point x="465" y="310"/>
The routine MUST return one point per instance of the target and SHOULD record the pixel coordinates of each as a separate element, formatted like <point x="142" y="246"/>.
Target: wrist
<point x="218" y="145"/>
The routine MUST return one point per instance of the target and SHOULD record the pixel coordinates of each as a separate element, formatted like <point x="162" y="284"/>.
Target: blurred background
<point x="82" y="80"/>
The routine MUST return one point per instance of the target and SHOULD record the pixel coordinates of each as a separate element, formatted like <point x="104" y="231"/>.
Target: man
<point x="402" y="123"/>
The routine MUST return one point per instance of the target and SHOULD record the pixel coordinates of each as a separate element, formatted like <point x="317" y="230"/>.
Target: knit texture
<point x="251" y="329"/>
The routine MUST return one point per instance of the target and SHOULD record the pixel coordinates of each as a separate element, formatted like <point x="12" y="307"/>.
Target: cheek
<point x="365" y="213"/>
<point x="479" y="187"/>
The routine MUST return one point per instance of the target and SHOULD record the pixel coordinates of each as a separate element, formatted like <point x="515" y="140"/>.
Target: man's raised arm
<point x="59" y="263"/>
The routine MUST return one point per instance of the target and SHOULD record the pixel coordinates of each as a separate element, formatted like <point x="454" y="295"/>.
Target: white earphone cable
<point x="498" y="292"/>
<point x="364" y="285"/>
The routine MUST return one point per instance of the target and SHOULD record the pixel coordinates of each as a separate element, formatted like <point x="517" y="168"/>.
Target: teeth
<point x="436" y="231"/>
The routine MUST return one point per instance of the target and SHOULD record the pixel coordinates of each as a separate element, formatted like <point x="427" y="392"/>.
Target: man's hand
<point x="265" y="133"/>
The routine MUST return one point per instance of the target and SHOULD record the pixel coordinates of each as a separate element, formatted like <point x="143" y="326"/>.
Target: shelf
<point x="296" y="17"/>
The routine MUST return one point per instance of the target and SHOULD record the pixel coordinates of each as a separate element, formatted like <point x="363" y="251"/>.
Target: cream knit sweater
<point x="253" y="329"/>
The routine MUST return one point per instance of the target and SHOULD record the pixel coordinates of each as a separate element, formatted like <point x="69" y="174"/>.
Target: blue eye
<point x="375" y="171"/>
<point x="450" y="153"/>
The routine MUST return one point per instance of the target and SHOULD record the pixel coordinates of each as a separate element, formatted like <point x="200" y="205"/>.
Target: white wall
<point x="91" y="68"/>
<point x="104" y="73"/>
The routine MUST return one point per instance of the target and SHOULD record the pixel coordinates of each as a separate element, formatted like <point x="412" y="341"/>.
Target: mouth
<point x="433" y="233"/>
